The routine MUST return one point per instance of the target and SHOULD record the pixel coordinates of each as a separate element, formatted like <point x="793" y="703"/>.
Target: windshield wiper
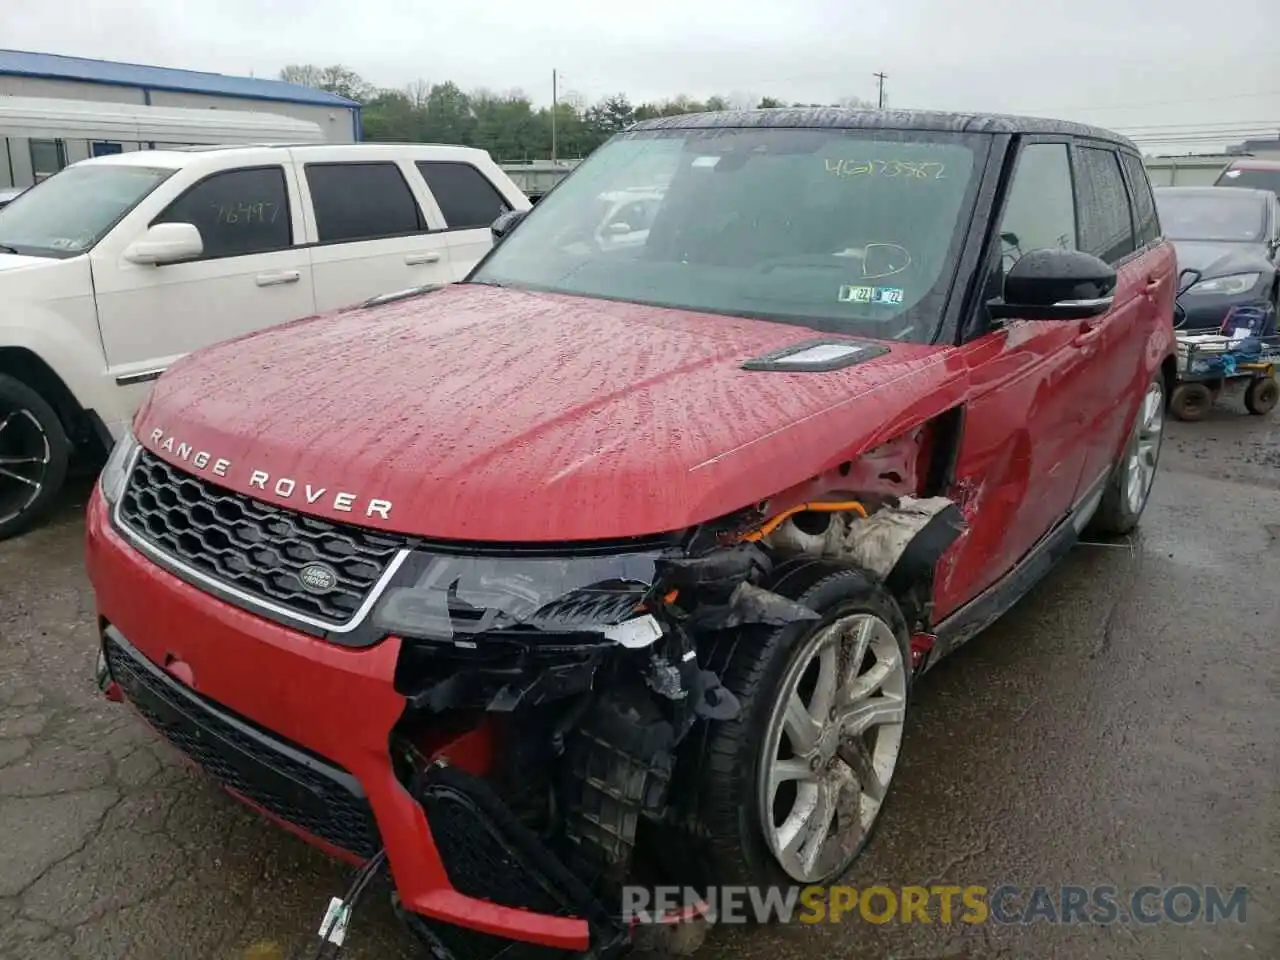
<point x="5" y="248"/>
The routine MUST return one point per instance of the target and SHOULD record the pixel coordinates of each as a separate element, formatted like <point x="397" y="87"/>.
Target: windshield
<point x="1258" y="179"/>
<point x="839" y="230"/>
<point x="1214" y="215"/>
<point x="71" y="211"/>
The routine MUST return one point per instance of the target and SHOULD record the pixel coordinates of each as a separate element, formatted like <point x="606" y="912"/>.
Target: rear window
<point x="467" y="199"/>
<point x="362" y="201"/>
<point x="1106" y="225"/>
<point x="1244" y="177"/>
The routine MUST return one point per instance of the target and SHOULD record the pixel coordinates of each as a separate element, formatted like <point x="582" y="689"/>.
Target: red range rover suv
<point x="615" y="563"/>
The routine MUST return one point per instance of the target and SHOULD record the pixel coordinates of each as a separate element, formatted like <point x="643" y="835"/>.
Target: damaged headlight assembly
<point x="497" y="632"/>
<point x="456" y="599"/>
<point x="115" y="474"/>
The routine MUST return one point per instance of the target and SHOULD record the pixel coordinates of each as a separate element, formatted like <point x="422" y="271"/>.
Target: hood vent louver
<point x="817" y="356"/>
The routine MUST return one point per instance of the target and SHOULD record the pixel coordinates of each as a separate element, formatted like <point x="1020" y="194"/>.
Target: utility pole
<point x="555" y="108"/>
<point x="880" y="77"/>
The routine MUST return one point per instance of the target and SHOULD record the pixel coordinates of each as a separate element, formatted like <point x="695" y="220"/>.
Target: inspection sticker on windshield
<point x="862" y="294"/>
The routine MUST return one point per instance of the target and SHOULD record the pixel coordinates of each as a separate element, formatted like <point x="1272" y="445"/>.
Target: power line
<point x="1262" y="130"/>
<point x="1207" y="137"/>
<point x="1198" y="127"/>
<point x="1174" y="103"/>
<point x="881" y="78"/>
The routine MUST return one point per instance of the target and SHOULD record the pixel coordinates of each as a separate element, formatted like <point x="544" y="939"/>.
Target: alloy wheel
<point x="1140" y="464"/>
<point x="24" y="461"/>
<point x="831" y="746"/>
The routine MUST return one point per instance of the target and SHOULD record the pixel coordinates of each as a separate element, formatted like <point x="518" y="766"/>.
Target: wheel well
<point x="1169" y="371"/>
<point x="21" y="364"/>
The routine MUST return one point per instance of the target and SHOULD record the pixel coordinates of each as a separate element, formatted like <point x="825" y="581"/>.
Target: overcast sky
<point x="1140" y="66"/>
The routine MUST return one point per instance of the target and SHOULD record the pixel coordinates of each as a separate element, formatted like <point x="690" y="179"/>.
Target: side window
<point x="362" y="201"/>
<point x="1040" y="211"/>
<point x="467" y="199"/>
<point x="237" y="212"/>
<point x="1144" y="204"/>
<point x="1106" y="224"/>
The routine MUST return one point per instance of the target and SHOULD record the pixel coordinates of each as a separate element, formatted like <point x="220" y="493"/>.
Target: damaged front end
<point x="551" y="697"/>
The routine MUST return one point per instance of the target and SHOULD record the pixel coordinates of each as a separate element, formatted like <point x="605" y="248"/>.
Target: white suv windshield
<point x="71" y="211"/>
<point x="840" y="230"/>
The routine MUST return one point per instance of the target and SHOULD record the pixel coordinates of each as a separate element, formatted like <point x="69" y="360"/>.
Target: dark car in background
<point x="1251" y="172"/>
<point x="1230" y="236"/>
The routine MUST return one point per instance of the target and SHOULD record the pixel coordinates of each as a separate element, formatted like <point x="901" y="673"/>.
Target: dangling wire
<point x="359" y="884"/>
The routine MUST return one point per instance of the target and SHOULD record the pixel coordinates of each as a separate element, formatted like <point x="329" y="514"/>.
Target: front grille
<point x="258" y="549"/>
<point x="294" y="785"/>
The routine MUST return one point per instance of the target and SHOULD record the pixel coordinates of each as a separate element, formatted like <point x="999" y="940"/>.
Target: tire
<point x="758" y="664"/>
<point x="1191" y="401"/>
<point x="34" y="453"/>
<point x="1127" y="492"/>
<point x="1261" y="396"/>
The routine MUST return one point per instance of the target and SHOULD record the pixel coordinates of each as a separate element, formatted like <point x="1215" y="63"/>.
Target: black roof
<point x="841" y="118"/>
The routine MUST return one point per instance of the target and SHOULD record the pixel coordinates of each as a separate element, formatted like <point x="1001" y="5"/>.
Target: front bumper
<point x="296" y="727"/>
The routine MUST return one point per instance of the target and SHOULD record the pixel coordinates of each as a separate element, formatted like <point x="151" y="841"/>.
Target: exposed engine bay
<point x="567" y="691"/>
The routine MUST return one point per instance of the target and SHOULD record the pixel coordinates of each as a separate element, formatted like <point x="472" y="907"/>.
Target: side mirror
<point x="1055" y="285"/>
<point x="1187" y="279"/>
<point x="166" y="243"/>
<point x="503" y="226"/>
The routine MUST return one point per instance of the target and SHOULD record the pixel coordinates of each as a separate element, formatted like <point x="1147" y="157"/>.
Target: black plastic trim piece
<point x="275" y="767"/>
<point x="861" y="351"/>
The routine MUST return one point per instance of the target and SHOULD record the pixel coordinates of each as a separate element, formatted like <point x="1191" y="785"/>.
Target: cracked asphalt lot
<point x="1121" y="726"/>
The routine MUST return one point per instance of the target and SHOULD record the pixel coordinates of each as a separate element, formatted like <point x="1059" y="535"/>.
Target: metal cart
<point x="1211" y="365"/>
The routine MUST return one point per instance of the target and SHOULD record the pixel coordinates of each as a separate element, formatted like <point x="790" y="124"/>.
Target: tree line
<point x="507" y="125"/>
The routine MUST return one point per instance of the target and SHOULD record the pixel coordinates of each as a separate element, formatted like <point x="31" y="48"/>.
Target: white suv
<point x="117" y="266"/>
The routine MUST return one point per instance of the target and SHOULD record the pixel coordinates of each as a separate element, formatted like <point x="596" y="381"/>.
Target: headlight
<point x="115" y="475"/>
<point x="1227" y="286"/>
<point x="455" y="598"/>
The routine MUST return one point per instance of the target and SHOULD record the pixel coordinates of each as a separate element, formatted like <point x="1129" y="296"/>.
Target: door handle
<point x="416" y="259"/>
<point x="273" y="279"/>
<point x="1154" y="284"/>
<point x="1088" y="335"/>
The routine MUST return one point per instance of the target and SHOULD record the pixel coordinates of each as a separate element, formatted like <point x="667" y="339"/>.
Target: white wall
<point x="336" y="122"/>
<point x="68" y="90"/>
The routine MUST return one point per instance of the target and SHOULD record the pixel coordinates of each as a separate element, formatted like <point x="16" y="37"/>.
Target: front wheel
<point x="34" y="452"/>
<point x="1132" y="477"/>
<point x="790" y="791"/>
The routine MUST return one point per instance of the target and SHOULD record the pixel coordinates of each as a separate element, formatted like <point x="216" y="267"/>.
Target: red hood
<point x="490" y="414"/>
